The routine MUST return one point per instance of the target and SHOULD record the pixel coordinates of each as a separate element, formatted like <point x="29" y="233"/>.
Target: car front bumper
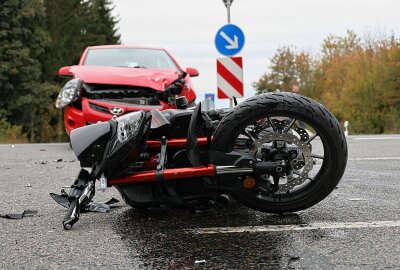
<point x="99" y="110"/>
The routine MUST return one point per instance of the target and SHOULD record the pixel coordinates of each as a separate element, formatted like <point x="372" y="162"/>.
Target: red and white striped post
<point x="230" y="78"/>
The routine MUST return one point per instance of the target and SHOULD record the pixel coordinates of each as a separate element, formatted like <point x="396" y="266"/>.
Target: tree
<point x="287" y="69"/>
<point x="102" y="24"/>
<point x="36" y="38"/>
<point x="22" y="44"/>
<point x="74" y="25"/>
<point x="357" y="79"/>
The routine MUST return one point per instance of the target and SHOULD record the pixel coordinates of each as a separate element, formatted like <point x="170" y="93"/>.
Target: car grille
<point x="123" y="94"/>
<point x="99" y="108"/>
<point x="133" y="101"/>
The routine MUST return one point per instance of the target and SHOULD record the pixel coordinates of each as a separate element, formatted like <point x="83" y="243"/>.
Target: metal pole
<point x="228" y="8"/>
<point x="229" y="13"/>
<point x="228" y="4"/>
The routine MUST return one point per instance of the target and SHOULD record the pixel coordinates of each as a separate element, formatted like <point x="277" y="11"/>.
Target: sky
<point x="187" y="29"/>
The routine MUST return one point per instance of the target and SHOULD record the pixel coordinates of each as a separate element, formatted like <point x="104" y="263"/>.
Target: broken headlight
<point x="69" y="93"/>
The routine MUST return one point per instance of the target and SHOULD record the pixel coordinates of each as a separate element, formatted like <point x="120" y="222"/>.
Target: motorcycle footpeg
<point x="72" y="215"/>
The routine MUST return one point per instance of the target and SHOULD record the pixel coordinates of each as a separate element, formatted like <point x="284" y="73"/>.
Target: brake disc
<point x="304" y="148"/>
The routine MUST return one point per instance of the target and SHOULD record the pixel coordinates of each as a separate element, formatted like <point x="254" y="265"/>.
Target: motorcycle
<point x="274" y="152"/>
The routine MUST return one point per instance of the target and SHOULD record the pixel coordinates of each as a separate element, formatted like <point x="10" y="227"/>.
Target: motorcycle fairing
<point x="88" y="142"/>
<point x="128" y="139"/>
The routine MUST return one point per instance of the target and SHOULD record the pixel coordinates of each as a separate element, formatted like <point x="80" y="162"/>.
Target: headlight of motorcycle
<point x="128" y="126"/>
<point x="69" y="93"/>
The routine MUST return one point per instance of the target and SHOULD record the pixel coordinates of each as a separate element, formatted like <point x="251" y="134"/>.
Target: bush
<point x="10" y="133"/>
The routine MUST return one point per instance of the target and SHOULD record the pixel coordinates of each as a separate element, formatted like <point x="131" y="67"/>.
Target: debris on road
<point x="292" y="260"/>
<point x="101" y="207"/>
<point x="200" y="261"/>
<point x="42" y="150"/>
<point x="28" y="185"/>
<point x="43" y="162"/>
<point x="25" y="213"/>
<point x="58" y="160"/>
<point x="60" y="199"/>
<point x="357" y="199"/>
<point x="90" y="207"/>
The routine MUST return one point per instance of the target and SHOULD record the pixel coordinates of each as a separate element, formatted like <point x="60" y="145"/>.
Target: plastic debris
<point x="60" y="199"/>
<point x="357" y="199"/>
<point x="43" y="162"/>
<point x="28" y="185"/>
<point x="90" y="207"/>
<point x="58" y="160"/>
<point x="25" y="213"/>
<point x="200" y="261"/>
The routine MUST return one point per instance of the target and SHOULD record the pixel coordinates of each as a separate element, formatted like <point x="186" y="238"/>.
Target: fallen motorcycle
<point x="275" y="152"/>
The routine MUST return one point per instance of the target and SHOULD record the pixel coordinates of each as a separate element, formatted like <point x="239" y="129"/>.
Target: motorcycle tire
<point x="303" y="109"/>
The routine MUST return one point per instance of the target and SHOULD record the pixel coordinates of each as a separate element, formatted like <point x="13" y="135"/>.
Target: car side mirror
<point x="65" y="72"/>
<point x="192" y="72"/>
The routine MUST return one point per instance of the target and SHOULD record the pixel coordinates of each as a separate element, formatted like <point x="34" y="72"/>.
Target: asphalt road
<point x="356" y="227"/>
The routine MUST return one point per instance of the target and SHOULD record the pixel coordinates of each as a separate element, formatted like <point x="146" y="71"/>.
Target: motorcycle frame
<point x="173" y="174"/>
<point x="192" y="144"/>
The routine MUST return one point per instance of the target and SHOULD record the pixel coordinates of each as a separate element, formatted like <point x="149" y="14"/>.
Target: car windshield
<point x="129" y="57"/>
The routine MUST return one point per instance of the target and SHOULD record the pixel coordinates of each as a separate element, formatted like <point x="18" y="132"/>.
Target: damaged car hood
<point x="156" y="79"/>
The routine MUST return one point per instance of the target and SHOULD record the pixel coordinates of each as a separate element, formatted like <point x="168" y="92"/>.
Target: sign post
<point x="209" y="102"/>
<point x="228" y="4"/>
<point x="229" y="41"/>
<point x="230" y="77"/>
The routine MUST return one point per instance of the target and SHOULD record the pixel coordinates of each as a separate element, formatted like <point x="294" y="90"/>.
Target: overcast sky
<point x="187" y="29"/>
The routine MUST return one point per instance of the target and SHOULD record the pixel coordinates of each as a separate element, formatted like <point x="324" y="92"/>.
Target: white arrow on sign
<point x="233" y="44"/>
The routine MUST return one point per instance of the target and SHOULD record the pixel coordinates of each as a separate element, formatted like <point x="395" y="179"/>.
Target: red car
<point x="116" y="79"/>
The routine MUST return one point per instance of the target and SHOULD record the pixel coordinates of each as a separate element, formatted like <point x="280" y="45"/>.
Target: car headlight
<point x="69" y="93"/>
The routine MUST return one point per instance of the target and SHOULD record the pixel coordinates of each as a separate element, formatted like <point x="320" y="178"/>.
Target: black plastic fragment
<point x="101" y="207"/>
<point x="112" y="201"/>
<point x="25" y="213"/>
<point x="90" y="207"/>
<point x="60" y="199"/>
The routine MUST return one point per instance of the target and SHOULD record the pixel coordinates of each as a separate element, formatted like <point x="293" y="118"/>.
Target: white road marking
<point x="375" y="158"/>
<point x="376" y="138"/>
<point x="297" y="227"/>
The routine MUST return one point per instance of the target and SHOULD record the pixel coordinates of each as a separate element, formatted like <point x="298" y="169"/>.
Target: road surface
<point x="356" y="227"/>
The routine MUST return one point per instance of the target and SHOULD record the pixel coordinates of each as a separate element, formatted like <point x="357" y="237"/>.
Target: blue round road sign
<point x="229" y="40"/>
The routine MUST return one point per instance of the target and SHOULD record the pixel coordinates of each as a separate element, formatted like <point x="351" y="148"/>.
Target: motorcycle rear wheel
<point x="290" y="111"/>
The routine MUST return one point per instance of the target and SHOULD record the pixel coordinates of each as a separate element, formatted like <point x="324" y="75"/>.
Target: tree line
<point x="37" y="37"/>
<point x="358" y="79"/>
